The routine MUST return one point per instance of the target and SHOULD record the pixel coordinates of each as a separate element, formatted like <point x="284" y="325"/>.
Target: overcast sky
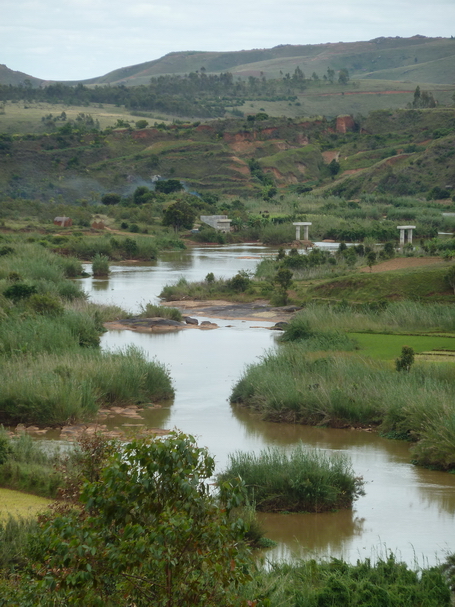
<point x="78" y="39"/>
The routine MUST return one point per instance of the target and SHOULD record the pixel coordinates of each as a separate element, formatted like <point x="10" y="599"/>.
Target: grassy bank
<point x="342" y="391"/>
<point x="301" y="481"/>
<point x="378" y="317"/>
<point x="52" y="370"/>
<point x="31" y="466"/>
<point x="415" y="284"/>
<point x="50" y="389"/>
<point x="335" y="583"/>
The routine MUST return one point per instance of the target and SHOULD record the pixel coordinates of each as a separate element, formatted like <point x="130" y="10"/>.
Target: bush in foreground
<point x="302" y="481"/>
<point x="149" y="531"/>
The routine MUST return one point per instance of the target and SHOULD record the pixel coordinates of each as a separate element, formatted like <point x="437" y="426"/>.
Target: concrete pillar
<point x="404" y="229"/>
<point x="305" y="225"/>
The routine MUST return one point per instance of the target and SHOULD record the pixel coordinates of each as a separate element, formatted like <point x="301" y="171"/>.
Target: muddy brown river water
<point x="406" y="509"/>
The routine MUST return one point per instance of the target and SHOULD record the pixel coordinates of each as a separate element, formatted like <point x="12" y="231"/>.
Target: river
<point x="406" y="509"/>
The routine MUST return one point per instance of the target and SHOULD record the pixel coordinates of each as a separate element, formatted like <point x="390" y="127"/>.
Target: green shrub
<point x="19" y="291"/>
<point x="239" y="283"/>
<point x="45" y="304"/>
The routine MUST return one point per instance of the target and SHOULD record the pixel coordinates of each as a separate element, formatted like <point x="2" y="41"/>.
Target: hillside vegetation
<point x="402" y="152"/>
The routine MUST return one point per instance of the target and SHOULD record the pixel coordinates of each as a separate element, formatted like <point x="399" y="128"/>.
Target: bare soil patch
<point x="402" y="263"/>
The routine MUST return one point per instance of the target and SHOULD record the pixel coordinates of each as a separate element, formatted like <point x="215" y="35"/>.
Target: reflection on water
<point x="311" y="535"/>
<point x="406" y="509"/>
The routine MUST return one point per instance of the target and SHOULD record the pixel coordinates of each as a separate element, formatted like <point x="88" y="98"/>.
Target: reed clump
<point x="302" y="481"/>
<point x="30" y="466"/>
<point x="381" y="317"/>
<point x="150" y="310"/>
<point x="100" y="265"/>
<point x="309" y="583"/>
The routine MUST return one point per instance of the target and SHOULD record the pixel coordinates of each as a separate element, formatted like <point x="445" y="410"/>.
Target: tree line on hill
<point x="194" y="94"/>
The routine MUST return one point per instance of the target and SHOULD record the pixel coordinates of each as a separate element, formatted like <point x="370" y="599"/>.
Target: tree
<point x="109" y="199"/>
<point x="179" y="215"/>
<point x="343" y="76"/>
<point x="371" y="259"/>
<point x="149" y="531"/>
<point x="142" y="124"/>
<point x="330" y="75"/>
<point x="142" y="194"/>
<point x="283" y="280"/>
<point x="168" y="186"/>
<point x="334" y="167"/>
<point x="406" y="359"/>
<point x="450" y="278"/>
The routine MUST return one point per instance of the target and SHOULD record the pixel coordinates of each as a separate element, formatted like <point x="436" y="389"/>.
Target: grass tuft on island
<point x="302" y="481"/>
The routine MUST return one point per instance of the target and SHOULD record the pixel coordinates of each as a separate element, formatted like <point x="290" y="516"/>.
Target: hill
<point x="415" y="59"/>
<point x="402" y="152"/>
<point x="431" y="58"/>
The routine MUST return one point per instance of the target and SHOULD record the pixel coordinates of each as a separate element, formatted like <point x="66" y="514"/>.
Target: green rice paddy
<point x="388" y="347"/>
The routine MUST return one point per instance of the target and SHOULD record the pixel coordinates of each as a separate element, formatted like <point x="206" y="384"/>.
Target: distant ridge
<point x="415" y="59"/>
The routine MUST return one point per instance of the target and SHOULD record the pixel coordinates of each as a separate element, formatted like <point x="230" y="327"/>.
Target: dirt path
<point x="402" y="263"/>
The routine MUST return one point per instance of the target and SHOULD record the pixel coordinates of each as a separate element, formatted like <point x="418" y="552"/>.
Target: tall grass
<point x="14" y="537"/>
<point x="150" y="310"/>
<point x="396" y="316"/>
<point x="335" y="583"/>
<point x="303" y="480"/>
<point x="30" y="466"/>
<point x="32" y="334"/>
<point x="299" y="330"/>
<point x="59" y="389"/>
<point x="343" y="391"/>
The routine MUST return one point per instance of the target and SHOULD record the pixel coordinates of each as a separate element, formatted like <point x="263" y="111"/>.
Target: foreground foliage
<point x="148" y="530"/>
<point x="303" y="480"/>
<point x="335" y="583"/>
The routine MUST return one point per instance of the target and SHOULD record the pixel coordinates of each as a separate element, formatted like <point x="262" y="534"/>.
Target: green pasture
<point x="388" y="347"/>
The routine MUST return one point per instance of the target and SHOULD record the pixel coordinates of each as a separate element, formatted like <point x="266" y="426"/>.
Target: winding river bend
<point x="406" y="509"/>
